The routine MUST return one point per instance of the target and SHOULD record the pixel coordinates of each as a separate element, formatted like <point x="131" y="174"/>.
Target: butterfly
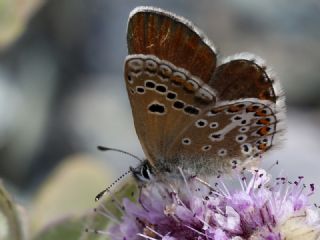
<point x="190" y="111"/>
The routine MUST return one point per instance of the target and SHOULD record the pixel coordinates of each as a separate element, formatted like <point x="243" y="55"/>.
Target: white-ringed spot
<point x="178" y="105"/>
<point x="244" y="129"/>
<point x="206" y="148"/>
<point x="216" y="137"/>
<point x="140" y="90"/>
<point x="246" y="148"/>
<point x="157" y="108"/>
<point x="171" y="95"/>
<point x="241" y="138"/>
<point x="135" y="65"/>
<point x="222" y="152"/>
<point x="150" y="69"/>
<point x="201" y="123"/>
<point x="151" y="65"/>
<point x="214" y="125"/>
<point x="186" y="141"/>
<point x="162" y="89"/>
<point x="164" y="72"/>
<point x="150" y="84"/>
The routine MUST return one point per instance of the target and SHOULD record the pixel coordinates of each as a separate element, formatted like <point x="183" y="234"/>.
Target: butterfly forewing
<point x="164" y="100"/>
<point x="171" y="38"/>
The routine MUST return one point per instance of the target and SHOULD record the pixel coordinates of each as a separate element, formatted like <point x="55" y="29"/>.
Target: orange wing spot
<point x="264" y="121"/>
<point x="177" y="80"/>
<point x="217" y="110"/>
<point x="188" y="86"/>
<point x="233" y="109"/>
<point x="264" y="131"/>
<point x="262" y="147"/>
<point x="261" y="113"/>
<point x="253" y="108"/>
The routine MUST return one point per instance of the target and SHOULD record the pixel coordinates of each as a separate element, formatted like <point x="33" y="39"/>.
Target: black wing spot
<point x="171" y="95"/>
<point x="191" y="110"/>
<point x="161" y="88"/>
<point x="178" y="104"/>
<point x="140" y="89"/>
<point x="157" y="108"/>
<point x="150" y="84"/>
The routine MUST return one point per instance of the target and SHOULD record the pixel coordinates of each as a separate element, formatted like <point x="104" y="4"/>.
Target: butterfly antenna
<point x="102" y="148"/>
<point x="103" y="192"/>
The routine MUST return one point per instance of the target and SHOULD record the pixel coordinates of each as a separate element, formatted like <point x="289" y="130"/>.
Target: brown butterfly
<point x="188" y="111"/>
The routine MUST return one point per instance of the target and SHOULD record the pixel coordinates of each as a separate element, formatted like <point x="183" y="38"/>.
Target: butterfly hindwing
<point x="236" y="131"/>
<point x="244" y="76"/>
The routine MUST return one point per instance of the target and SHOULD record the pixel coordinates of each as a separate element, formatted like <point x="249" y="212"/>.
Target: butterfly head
<point x="143" y="173"/>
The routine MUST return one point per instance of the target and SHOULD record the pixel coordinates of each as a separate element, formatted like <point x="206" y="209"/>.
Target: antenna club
<point x="102" y="148"/>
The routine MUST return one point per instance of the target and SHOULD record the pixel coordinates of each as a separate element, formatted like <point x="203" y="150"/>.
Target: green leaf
<point x="10" y="223"/>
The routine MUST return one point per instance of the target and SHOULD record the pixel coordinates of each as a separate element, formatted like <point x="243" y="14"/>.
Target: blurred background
<point x="62" y="91"/>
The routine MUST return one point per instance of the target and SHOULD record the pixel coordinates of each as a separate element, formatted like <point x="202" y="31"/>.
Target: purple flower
<point x="257" y="208"/>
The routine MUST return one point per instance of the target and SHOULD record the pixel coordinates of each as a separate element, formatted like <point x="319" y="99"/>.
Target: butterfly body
<point x="188" y="112"/>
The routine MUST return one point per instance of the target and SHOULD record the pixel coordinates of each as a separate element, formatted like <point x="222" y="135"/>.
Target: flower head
<point x="193" y="209"/>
